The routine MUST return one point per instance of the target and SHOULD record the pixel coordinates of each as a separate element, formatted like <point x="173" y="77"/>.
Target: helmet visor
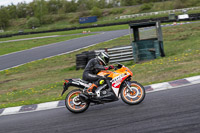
<point x="106" y="60"/>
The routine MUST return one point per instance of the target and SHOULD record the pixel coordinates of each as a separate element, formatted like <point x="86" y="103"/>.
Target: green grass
<point x="41" y="81"/>
<point x="109" y="16"/>
<point x="9" y="47"/>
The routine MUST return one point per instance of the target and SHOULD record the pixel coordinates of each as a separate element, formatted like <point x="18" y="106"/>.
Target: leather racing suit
<point x="91" y="70"/>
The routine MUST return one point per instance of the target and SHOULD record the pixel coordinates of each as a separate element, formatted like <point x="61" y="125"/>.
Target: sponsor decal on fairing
<point x="116" y="82"/>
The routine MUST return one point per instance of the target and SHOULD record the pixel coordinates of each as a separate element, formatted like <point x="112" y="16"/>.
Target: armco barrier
<point x="120" y="54"/>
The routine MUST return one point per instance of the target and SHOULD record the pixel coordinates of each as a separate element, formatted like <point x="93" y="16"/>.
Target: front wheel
<point x="134" y="94"/>
<point x="74" y="103"/>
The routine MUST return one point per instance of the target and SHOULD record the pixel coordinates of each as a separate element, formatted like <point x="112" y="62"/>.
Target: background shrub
<point x="179" y="4"/>
<point x="146" y="6"/>
<point x="117" y="10"/>
<point x="47" y="19"/>
<point x="33" y="22"/>
<point x="96" y="12"/>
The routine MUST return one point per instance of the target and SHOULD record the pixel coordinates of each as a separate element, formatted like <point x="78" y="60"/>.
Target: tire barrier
<point x="5" y="36"/>
<point x="83" y="58"/>
<point x="81" y="61"/>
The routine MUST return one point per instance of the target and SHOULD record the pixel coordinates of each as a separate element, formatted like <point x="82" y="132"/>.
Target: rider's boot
<point x="91" y="90"/>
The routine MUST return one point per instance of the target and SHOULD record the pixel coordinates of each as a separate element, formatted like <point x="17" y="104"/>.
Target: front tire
<point x="74" y="104"/>
<point x="135" y="96"/>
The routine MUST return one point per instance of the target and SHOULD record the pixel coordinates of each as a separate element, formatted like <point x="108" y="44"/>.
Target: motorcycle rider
<point x="94" y="66"/>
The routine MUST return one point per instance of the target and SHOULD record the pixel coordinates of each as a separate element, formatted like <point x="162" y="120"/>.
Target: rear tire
<point x="73" y="102"/>
<point x="135" y="96"/>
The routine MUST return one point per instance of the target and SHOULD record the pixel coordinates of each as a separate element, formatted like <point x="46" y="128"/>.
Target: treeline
<point x="42" y="9"/>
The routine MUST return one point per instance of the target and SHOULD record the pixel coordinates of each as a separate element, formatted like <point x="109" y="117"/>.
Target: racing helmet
<point x="104" y="58"/>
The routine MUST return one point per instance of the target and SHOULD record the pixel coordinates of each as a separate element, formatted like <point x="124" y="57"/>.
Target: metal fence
<point x="120" y="54"/>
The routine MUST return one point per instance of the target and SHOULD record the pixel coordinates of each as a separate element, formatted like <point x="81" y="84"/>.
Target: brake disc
<point x="135" y="92"/>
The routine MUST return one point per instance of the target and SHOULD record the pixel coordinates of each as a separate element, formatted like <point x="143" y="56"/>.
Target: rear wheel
<point x="133" y="95"/>
<point x="74" y="103"/>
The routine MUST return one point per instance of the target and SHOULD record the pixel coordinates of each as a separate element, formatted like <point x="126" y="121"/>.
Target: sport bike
<point x="117" y="85"/>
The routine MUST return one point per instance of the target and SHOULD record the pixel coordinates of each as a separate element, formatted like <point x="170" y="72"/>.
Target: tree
<point x="82" y="5"/>
<point x="73" y="6"/>
<point x="12" y="11"/>
<point x="63" y="9"/>
<point x="30" y="9"/>
<point x="4" y="17"/>
<point x="96" y="12"/>
<point x="102" y="4"/>
<point x="54" y="6"/>
<point x="40" y="9"/>
<point x="68" y="6"/>
<point x="21" y="10"/>
<point x="91" y="3"/>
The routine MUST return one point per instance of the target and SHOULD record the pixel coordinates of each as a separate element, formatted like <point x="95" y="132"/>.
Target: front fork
<point x="128" y="84"/>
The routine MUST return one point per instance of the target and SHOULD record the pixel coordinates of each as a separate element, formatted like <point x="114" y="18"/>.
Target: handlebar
<point x="118" y="66"/>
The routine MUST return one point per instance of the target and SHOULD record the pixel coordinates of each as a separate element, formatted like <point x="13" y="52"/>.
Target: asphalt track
<point x="25" y="56"/>
<point x="168" y="111"/>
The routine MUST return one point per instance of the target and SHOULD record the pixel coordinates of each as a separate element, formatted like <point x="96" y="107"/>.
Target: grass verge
<point x="41" y="81"/>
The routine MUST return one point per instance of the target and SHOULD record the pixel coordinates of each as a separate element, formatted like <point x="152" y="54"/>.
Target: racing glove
<point x="111" y="67"/>
<point x="106" y="68"/>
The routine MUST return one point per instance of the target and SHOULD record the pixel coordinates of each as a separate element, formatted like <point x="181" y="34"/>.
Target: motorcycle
<point x="118" y="85"/>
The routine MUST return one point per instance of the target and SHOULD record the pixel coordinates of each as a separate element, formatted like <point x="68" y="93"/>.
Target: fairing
<point x="118" y="76"/>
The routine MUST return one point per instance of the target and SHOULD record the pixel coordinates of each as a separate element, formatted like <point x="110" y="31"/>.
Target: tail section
<point x="74" y="82"/>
